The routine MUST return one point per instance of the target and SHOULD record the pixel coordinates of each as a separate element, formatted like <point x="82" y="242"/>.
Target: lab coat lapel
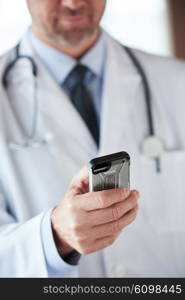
<point x="55" y="104"/>
<point x="59" y="107"/>
<point x="119" y="97"/>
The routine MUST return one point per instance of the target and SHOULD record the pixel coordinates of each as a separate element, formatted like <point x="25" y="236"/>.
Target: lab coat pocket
<point x="164" y="193"/>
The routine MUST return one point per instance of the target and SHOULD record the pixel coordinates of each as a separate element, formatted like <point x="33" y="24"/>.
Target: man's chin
<point x="73" y="38"/>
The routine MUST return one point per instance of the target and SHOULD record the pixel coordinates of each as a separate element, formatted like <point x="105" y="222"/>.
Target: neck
<point x="75" y="51"/>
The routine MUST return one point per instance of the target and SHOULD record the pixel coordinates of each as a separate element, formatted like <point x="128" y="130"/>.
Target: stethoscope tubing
<point x="11" y="65"/>
<point x="146" y="88"/>
<point x="133" y="58"/>
<point x="30" y="140"/>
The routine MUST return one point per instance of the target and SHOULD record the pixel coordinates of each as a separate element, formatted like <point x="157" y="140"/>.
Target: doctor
<point x="50" y="223"/>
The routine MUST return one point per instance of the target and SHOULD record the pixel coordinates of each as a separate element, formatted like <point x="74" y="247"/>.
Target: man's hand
<point x="88" y="222"/>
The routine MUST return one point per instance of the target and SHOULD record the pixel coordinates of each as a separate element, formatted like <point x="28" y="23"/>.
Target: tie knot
<point x="77" y="76"/>
<point x="80" y="71"/>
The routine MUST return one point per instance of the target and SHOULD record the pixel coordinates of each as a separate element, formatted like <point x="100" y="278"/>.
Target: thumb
<point x="80" y="182"/>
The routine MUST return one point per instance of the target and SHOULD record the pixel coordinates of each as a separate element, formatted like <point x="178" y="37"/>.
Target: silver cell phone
<point x="109" y="172"/>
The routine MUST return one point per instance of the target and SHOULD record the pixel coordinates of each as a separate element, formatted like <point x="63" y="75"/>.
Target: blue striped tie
<point x="82" y="99"/>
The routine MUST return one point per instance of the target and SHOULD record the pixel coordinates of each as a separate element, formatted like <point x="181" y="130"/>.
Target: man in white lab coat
<point x="49" y="224"/>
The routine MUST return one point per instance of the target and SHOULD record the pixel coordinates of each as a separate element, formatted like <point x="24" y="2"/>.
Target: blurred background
<point x="156" y="26"/>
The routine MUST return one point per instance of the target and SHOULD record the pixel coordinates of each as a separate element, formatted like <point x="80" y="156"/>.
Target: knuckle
<point x="135" y="194"/>
<point x="115" y="227"/>
<point x="115" y="213"/>
<point x="74" y="221"/>
<point x="71" y="206"/>
<point x="130" y="221"/>
<point x="75" y="228"/>
<point x="85" y="249"/>
<point x="114" y="237"/>
<point x="123" y="193"/>
<point x="136" y="208"/>
<point x="110" y="240"/>
<point x="132" y="217"/>
<point x="79" y="239"/>
<point x="102" y="200"/>
<point x="81" y="250"/>
<point x="133" y="201"/>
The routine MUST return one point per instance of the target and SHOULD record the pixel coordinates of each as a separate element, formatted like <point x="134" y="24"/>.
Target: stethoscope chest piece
<point x="152" y="147"/>
<point x="32" y="142"/>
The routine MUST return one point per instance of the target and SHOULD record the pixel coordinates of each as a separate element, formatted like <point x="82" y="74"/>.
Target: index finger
<point x="102" y="199"/>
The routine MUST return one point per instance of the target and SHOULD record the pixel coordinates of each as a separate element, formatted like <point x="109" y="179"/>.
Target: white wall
<point x="14" y="19"/>
<point x="142" y="24"/>
<point x="138" y="23"/>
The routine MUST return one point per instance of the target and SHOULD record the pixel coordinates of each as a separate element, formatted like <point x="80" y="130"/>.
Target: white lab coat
<point x="34" y="180"/>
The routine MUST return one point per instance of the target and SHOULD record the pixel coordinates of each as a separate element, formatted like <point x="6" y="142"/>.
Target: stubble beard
<point x="66" y="37"/>
<point x="72" y="38"/>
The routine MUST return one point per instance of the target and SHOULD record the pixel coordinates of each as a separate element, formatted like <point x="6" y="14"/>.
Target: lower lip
<point x="75" y="19"/>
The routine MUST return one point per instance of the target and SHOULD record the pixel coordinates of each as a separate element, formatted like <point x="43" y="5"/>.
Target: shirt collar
<point x="60" y="64"/>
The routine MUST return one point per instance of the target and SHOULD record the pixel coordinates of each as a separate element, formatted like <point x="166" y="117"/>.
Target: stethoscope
<point x="30" y="140"/>
<point x="152" y="146"/>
